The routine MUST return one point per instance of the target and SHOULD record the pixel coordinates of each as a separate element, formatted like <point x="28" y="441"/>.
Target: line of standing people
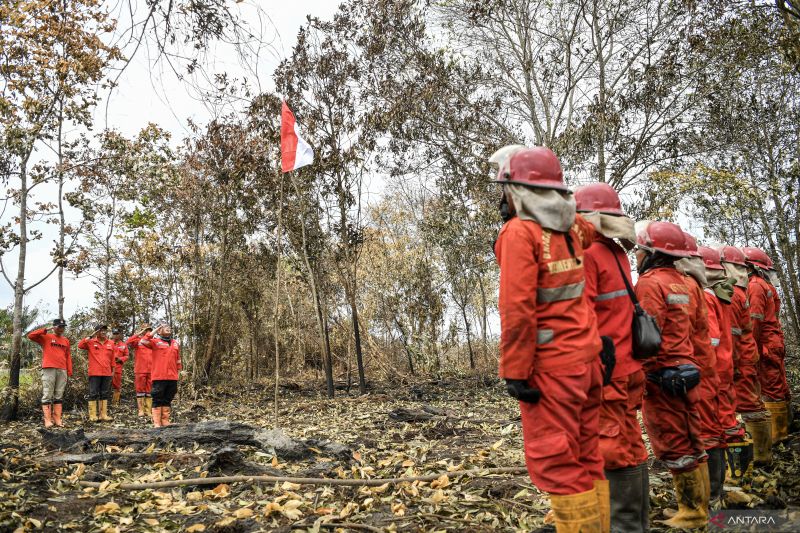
<point x="157" y="367"/>
<point x="568" y="351"/>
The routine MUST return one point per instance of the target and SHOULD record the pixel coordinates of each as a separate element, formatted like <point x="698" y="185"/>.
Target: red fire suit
<point x="777" y="299"/>
<point x="745" y="358"/>
<point x="120" y="356"/>
<point x="621" y="441"/>
<point x="549" y="337"/>
<point x="166" y="357"/>
<point x="55" y="349"/>
<point x="142" y="364"/>
<point x="101" y="355"/>
<point x="769" y="338"/>
<point x="672" y="422"/>
<point x="719" y="327"/>
<point x="711" y="431"/>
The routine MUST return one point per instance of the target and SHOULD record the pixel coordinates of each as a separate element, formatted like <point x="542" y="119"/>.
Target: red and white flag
<point x="295" y="151"/>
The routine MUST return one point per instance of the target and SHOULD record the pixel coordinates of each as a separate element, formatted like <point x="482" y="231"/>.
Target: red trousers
<point x="726" y="400"/>
<point x="621" y="443"/>
<point x="748" y="389"/>
<point x="712" y="432"/>
<point x="116" y="380"/>
<point x="143" y="384"/>
<point x="673" y="425"/>
<point x="561" y="431"/>
<point x="772" y="377"/>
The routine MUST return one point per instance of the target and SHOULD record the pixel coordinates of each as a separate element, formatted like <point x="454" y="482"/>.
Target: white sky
<point x="145" y="96"/>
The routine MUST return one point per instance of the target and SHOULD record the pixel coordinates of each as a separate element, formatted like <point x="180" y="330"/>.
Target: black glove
<point x="608" y="356"/>
<point x="519" y="389"/>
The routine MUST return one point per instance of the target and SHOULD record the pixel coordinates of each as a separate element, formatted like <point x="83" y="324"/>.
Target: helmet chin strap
<point x="505" y="209"/>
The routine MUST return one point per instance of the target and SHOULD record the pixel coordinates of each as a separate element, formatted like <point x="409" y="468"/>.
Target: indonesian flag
<point x="295" y="151"/>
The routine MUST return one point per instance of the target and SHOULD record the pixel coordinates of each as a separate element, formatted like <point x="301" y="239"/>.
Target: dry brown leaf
<point x="244" y="512"/>
<point x="195" y="528"/>
<point x="441" y="482"/>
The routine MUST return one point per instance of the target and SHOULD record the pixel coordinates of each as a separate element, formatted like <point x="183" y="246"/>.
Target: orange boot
<point x="165" y="412"/>
<point x="156" y="412"/>
<point x="57" y="415"/>
<point x="48" y="415"/>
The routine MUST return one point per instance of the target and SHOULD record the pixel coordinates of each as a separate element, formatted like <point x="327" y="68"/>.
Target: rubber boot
<point x="104" y="411"/>
<point x="577" y="513"/>
<point x="629" y="490"/>
<point x="115" y="398"/>
<point x="156" y="412"/>
<point x="57" y="409"/>
<point x="148" y="403"/>
<point x="165" y="412"/>
<point x="706" y="481"/>
<point x="716" y="472"/>
<point x="739" y="459"/>
<point x="690" y="492"/>
<point x="779" y="417"/>
<point x="140" y="405"/>
<point x="47" y="411"/>
<point x="93" y="404"/>
<point x="762" y="441"/>
<point x="604" y="502"/>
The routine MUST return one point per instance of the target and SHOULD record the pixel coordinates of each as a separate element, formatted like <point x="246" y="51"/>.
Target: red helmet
<point x="710" y="257"/>
<point x="691" y="245"/>
<point x="733" y="255"/>
<point x="664" y="237"/>
<point x="599" y="197"/>
<point x="534" y="167"/>
<point x="757" y="257"/>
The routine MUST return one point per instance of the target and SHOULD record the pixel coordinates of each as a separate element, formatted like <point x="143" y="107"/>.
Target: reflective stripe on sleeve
<point x="714" y="342"/>
<point x="736" y="331"/>
<point x="757" y="316"/>
<point x="543" y="336"/>
<point x="679" y="299"/>
<point x="557" y="294"/>
<point x="611" y="295"/>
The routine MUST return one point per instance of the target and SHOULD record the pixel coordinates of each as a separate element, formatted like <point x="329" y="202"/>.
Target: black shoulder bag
<point x="646" y="333"/>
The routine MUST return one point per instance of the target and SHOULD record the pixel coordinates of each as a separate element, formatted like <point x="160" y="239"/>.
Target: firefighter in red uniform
<point x="101" y="368"/>
<point x="772" y="279"/>
<point x="142" y="363"/>
<point x="671" y="395"/>
<point x="745" y="359"/>
<point x="769" y="338"/>
<point x="719" y="294"/>
<point x="165" y="372"/>
<point x="56" y="368"/>
<point x="549" y="339"/>
<point x="621" y="444"/>
<point x="705" y="339"/>
<point x="121" y="355"/>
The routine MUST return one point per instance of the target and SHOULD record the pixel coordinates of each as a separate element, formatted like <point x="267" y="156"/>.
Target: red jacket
<point x="546" y="323"/>
<point x="101" y="355"/>
<point x="606" y="292"/>
<point x="766" y="328"/>
<point x="663" y="292"/>
<point x="719" y="328"/>
<point x="701" y="339"/>
<point x="55" y="349"/>
<point x="166" y="357"/>
<point x="142" y="355"/>
<point x="745" y="351"/>
<point x="121" y="355"/>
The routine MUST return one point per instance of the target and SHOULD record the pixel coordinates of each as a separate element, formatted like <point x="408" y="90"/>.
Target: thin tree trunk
<point x="10" y="408"/>
<point x="362" y="381"/>
<point x="212" y="336"/>
<point x="62" y="222"/>
<point x="321" y="323"/>
<point x="469" y="339"/>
